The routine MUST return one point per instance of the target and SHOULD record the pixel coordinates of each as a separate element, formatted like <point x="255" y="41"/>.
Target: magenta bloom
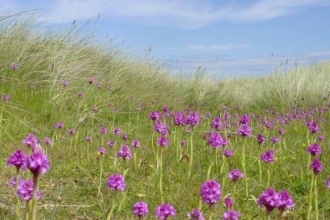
<point x="117" y="131"/>
<point x="90" y="80"/>
<point x="154" y="115"/>
<point x="316" y="166"/>
<point x="59" y="125"/>
<point x="227" y="153"/>
<point x="244" y="130"/>
<point x="285" y="201"/>
<point x="65" y="83"/>
<point x="228" y="202"/>
<point x="314" y="149"/>
<point x="25" y="190"/>
<point x="30" y="141"/>
<point x="136" y="143"/>
<point x="88" y="138"/>
<point x="269" y="199"/>
<point x="179" y="119"/>
<point x="164" y="211"/>
<point x="281" y="131"/>
<point x="195" y="214"/>
<point x="268" y="156"/>
<point x="111" y="143"/>
<point x="79" y="94"/>
<point x="5" y="97"/>
<point x="327" y="183"/>
<point x="12" y="181"/>
<point x="102" y="151"/>
<point x="245" y="119"/>
<point x="313" y="127"/>
<point x="210" y="192"/>
<point x="216" y="140"/>
<point x="116" y="182"/>
<point x="193" y="119"/>
<point x="124" y="152"/>
<point x="320" y="138"/>
<point x="231" y="215"/>
<point x="161" y="128"/>
<point x="274" y="139"/>
<point x="17" y="159"/>
<point x="216" y="124"/>
<point x="235" y="175"/>
<point x="261" y="139"/>
<point x="38" y="163"/>
<point x="47" y="141"/>
<point x="162" y="141"/>
<point x="71" y="131"/>
<point x="124" y="137"/>
<point x="103" y="130"/>
<point x="14" y="66"/>
<point x="140" y="209"/>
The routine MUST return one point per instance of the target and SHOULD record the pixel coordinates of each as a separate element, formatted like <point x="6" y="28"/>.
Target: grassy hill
<point x="66" y="77"/>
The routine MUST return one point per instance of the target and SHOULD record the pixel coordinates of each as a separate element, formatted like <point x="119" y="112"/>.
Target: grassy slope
<point x="38" y="100"/>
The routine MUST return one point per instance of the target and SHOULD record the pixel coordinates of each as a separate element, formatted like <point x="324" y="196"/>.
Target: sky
<point x="224" y="38"/>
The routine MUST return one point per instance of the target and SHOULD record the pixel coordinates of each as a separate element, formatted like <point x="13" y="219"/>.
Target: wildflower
<point x="281" y="131"/>
<point x="71" y="131"/>
<point x="162" y="141"/>
<point x="235" y="175"/>
<point x="228" y="202"/>
<point x="95" y="108"/>
<point x="116" y="182"/>
<point x="140" y="209"/>
<point x="164" y="211"/>
<point x="30" y="141"/>
<point x="320" y="138"/>
<point x="111" y="143"/>
<point x="285" y="201"/>
<point x="210" y="192"/>
<point x="124" y="137"/>
<point x="59" y="125"/>
<point x="101" y="151"/>
<point x="47" y="141"/>
<point x="136" y="143"/>
<point x="216" y="124"/>
<point x="79" y="94"/>
<point x="12" y="181"/>
<point x="195" y="214"/>
<point x="316" y="166"/>
<point x="5" y="97"/>
<point x="124" y="152"/>
<point x="117" y="131"/>
<point x="314" y="149"/>
<point x="88" y="138"/>
<point x="261" y="139"/>
<point x="216" y="140"/>
<point x="313" y="127"/>
<point x="103" y="130"/>
<point x="183" y="143"/>
<point x="268" y="156"/>
<point x="37" y="163"/>
<point x="65" y="83"/>
<point x="193" y="119"/>
<point x="227" y="153"/>
<point x="161" y="128"/>
<point x="231" y="215"/>
<point x="90" y="80"/>
<point x="327" y="183"/>
<point x="179" y="119"/>
<point x="245" y="119"/>
<point x="154" y="115"/>
<point x="269" y="199"/>
<point x="244" y="130"/>
<point x="274" y="139"/>
<point x="25" y="190"/>
<point x="14" y="66"/>
<point x="17" y="159"/>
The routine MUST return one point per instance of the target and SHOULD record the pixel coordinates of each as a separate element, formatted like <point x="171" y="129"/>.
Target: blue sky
<point x="225" y="37"/>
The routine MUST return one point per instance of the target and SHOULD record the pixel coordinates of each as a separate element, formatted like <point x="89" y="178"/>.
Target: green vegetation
<point x="120" y="92"/>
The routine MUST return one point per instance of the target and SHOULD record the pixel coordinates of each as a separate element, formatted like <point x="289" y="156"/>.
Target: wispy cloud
<point x="218" y="47"/>
<point x="180" y="13"/>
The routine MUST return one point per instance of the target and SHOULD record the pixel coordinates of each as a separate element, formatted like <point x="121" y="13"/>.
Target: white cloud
<point x="179" y="13"/>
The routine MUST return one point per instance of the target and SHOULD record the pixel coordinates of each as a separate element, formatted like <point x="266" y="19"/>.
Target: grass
<point x="124" y="91"/>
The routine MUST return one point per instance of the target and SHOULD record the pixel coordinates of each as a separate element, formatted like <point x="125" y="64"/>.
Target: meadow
<point x="102" y="135"/>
